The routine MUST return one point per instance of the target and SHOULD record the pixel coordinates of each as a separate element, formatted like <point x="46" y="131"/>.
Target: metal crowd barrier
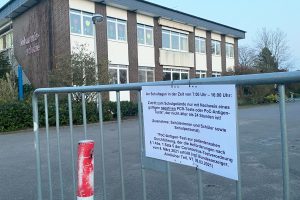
<point x="280" y="79"/>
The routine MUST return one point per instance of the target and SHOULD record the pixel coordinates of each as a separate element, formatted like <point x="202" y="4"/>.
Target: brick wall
<point x="157" y="45"/>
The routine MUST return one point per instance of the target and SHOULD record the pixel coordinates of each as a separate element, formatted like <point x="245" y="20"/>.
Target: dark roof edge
<point x="171" y="9"/>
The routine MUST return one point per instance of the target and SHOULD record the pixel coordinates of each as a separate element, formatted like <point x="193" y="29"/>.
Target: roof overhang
<point x="14" y="8"/>
<point x="154" y="10"/>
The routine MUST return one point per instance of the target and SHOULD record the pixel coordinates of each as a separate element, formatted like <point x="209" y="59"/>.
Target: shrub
<point x="8" y="89"/>
<point x="18" y="115"/>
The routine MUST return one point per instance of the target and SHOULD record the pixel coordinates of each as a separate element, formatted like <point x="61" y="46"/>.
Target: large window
<point x="81" y="23"/>
<point x="200" y="45"/>
<point x="118" y="74"/>
<point x="146" y="74"/>
<point x="116" y="29"/>
<point x="175" y="74"/>
<point x="200" y="74"/>
<point x="216" y="48"/>
<point x="145" y="35"/>
<point x="229" y="50"/>
<point x="174" y="40"/>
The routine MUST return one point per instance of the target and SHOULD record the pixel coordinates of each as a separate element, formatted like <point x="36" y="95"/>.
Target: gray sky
<point x="248" y="15"/>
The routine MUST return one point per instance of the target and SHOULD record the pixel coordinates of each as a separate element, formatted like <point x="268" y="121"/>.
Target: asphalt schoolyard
<point x="260" y="162"/>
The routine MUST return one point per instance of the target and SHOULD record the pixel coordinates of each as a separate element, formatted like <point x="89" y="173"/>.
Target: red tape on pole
<point x="85" y="186"/>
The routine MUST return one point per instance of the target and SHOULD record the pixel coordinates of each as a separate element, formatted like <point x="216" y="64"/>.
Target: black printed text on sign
<point x="192" y="125"/>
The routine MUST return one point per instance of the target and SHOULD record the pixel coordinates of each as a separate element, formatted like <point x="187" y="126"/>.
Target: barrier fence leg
<point x="85" y="186"/>
<point x="48" y="146"/>
<point x="141" y="130"/>
<point x="58" y="146"/>
<point x="284" y="144"/>
<point x="120" y="144"/>
<point x="37" y="145"/>
<point x="102" y="145"/>
<point x="200" y="188"/>
<point x="239" y="181"/>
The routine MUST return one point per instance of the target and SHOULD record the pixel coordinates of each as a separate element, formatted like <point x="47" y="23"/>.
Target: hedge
<point x="18" y="115"/>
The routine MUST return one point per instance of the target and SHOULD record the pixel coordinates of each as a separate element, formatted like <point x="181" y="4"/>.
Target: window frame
<point x="118" y="68"/>
<point x="216" y="74"/>
<point x="117" y="22"/>
<point x="214" y="45"/>
<point x="173" y="70"/>
<point x="201" y="74"/>
<point x="145" y="28"/>
<point x="198" y="41"/>
<point x="180" y="36"/>
<point x="82" y="14"/>
<point x="146" y="69"/>
<point x="229" y="50"/>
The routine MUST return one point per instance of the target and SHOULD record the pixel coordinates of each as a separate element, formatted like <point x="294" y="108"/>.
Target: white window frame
<point x="180" y="35"/>
<point x="229" y="50"/>
<point x="201" y="73"/>
<point x="176" y="70"/>
<point x="198" y="41"/>
<point x="117" y="21"/>
<point x="81" y="14"/>
<point x="145" y="28"/>
<point x="216" y="74"/>
<point x="146" y="69"/>
<point x="215" y="43"/>
<point x="118" y="68"/>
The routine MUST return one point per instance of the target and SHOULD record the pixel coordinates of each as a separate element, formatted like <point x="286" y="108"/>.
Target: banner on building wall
<point x="192" y="125"/>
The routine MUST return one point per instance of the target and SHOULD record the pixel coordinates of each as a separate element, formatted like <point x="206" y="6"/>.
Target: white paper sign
<point x="192" y="125"/>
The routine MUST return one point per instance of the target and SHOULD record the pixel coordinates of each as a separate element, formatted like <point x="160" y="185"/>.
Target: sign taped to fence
<point x="192" y="125"/>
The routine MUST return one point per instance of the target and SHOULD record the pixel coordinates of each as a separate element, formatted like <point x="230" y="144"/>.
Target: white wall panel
<point x="146" y="56"/>
<point x="200" y="33"/>
<point x="118" y="52"/>
<point x="143" y="19"/>
<point x="175" y="58"/>
<point x="77" y="40"/>
<point x="216" y="64"/>
<point x="229" y="40"/>
<point x="116" y="13"/>
<point x="124" y="96"/>
<point x="229" y="63"/>
<point x="176" y="25"/>
<point x="215" y="36"/>
<point x="83" y="5"/>
<point x="201" y="63"/>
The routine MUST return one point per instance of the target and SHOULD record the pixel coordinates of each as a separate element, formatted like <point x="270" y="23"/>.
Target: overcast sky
<point x="248" y="15"/>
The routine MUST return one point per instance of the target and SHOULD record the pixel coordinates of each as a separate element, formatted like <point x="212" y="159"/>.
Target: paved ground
<point x="260" y="157"/>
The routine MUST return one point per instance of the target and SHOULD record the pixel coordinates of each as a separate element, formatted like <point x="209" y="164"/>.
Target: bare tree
<point x="247" y="56"/>
<point x="276" y="42"/>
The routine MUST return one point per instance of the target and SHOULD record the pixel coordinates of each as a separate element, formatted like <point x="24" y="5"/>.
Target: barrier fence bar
<point x="141" y="131"/>
<point x="120" y="143"/>
<point x="284" y="144"/>
<point x="253" y="79"/>
<point x="48" y="147"/>
<point x="169" y="181"/>
<point x="72" y="142"/>
<point x="84" y="115"/>
<point x="239" y="181"/>
<point x="102" y="145"/>
<point x="58" y="147"/>
<point x="37" y="145"/>
<point x="200" y="187"/>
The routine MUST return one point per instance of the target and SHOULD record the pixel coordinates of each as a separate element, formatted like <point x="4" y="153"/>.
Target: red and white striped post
<point x="85" y="186"/>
